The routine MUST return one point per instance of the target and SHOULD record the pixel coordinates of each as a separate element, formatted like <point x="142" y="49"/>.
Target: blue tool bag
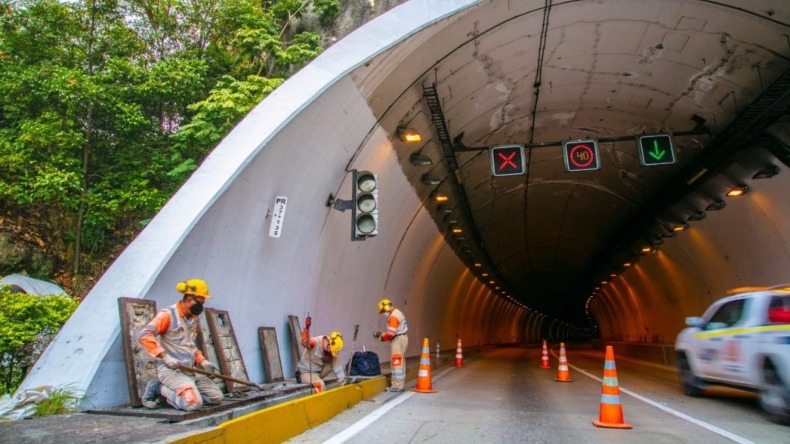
<point x="365" y="364"/>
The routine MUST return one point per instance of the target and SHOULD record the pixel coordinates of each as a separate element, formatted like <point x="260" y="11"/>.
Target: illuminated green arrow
<point x="656" y="153"/>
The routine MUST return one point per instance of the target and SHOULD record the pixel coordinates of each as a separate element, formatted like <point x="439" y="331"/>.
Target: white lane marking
<point x="358" y="426"/>
<point x="671" y="411"/>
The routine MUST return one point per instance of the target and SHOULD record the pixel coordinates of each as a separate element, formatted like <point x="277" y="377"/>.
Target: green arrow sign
<point x="655" y="149"/>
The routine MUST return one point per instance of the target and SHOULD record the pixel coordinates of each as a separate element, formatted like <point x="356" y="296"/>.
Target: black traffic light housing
<point x="365" y="209"/>
<point x="364" y="204"/>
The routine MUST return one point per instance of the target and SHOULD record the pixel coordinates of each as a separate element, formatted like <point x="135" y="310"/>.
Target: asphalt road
<point x="502" y="396"/>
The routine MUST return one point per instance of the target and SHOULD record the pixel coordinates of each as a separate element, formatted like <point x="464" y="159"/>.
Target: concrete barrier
<point x="283" y="421"/>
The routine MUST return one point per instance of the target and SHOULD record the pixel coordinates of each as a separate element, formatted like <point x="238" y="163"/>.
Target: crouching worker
<point x="172" y="338"/>
<point x="320" y="356"/>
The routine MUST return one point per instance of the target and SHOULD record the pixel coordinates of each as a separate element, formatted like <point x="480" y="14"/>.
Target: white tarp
<point x="31" y="285"/>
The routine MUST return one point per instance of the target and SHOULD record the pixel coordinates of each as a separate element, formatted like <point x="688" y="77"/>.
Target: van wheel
<point x="692" y="385"/>
<point x="775" y="396"/>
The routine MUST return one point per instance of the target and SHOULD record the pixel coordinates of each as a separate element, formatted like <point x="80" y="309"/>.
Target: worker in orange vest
<point x="396" y="335"/>
<point x="172" y="337"/>
<point x="320" y="356"/>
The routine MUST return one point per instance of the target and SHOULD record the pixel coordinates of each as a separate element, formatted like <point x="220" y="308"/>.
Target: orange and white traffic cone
<point x="424" y="374"/>
<point x="459" y="355"/>
<point x="563" y="375"/>
<point x="611" y="414"/>
<point x="544" y="359"/>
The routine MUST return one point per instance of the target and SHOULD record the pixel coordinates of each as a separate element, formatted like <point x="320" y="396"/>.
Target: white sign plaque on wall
<point x="278" y="213"/>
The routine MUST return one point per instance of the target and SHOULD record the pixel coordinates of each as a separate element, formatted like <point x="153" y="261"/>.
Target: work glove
<point x="169" y="361"/>
<point x="209" y="367"/>
<point x="377" y="335"/>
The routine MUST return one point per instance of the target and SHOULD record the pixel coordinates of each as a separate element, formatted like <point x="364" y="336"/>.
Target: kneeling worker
<point x="178" y="330"/>
<point x="320" y="356"/>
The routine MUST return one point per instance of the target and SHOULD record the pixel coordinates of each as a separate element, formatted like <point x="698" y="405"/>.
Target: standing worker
<point x="320" y="356"/>
<point x="178" y="329"/>
<point x="396" y="334"/>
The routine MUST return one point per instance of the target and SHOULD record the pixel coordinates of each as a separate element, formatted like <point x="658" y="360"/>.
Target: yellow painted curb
<point x="283" y="421"/>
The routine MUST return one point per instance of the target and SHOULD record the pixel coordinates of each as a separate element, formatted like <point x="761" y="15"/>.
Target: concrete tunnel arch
<point x="301" y="142"/>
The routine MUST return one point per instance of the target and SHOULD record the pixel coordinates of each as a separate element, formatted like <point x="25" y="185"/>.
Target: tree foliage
<point x="109" y="105"/>
<point x="27" y="323"/>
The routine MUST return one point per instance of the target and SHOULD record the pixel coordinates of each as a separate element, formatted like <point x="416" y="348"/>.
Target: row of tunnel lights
<point x="716" y="205"/>
<point x="408" y="135"/>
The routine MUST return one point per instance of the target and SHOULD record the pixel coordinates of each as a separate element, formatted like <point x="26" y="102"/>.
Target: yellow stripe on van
<point x="741" y="331"/>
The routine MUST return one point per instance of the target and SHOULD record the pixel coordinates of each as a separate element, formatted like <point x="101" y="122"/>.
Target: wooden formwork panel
<point x="272" y="366"/>
<point x="140" y="366"/>
<point x="227" y="348"/>
<point x="296" y="345"/>
<point x="209" y="350"/>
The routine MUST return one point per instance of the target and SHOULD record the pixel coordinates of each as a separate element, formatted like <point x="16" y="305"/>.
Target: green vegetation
<point x="59" y="402"/>
<point x="27" y="324"/>
<point x="109" y="105"/>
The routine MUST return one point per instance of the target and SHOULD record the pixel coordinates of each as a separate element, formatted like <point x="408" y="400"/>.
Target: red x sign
<point x="507" y="160"/>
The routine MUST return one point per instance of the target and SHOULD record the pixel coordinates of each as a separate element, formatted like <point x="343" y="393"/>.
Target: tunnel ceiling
<point x="538" y="73"/>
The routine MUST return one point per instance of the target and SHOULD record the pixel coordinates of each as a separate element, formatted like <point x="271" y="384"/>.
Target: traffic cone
<point x="544" y="359"/>
<point x="563" y="375"/>
<point x="611" y="414"/>
<point x="459" y="355"/>
<point x="424" y="374"/>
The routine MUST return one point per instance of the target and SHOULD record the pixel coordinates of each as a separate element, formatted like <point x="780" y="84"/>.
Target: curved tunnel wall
<point x="747" y="243"/>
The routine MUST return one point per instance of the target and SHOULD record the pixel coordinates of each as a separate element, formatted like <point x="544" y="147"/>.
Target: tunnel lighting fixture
<point x="697" y="215"/>
<point x="739" y="190"/>
<point x="445" y="209"/>
<point x="669" y="233"/>
<point x="492" y="282"/>
<point x="496" y="288"/>
<point x="484" y="275"/>
<point x="457" y="230"/>
<point x="699" y="174"/>
<point x="767" y="172"/>
<point x="626" y="264"/>
<point x="604" y="282"/>
<point x="408" y="135"/>
<point x="420" y="160"/>
<point x="430" y="179"/>
<point x="680" y="227"/>
<point x="716" y="205"/>
<point x="478" y="264"/>
<point x="450" y="219"/>
<point x="646" y="250"/>
<point x="440" y="198"/>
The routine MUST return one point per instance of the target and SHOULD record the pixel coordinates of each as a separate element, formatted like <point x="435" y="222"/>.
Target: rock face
<point x="22" y="251"/>
<point x="355" y="13"/>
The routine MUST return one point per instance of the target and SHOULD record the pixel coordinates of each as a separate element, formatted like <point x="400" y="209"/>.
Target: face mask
<point x="196" y="308"/>
<point x="386" y="315"/>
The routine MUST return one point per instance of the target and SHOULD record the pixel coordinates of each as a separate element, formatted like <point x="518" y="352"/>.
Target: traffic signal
<point x="655" y="149"/>
<point x="507" y="160"/>
<point x="581" y="155"/>
<point x="365" y="209"/>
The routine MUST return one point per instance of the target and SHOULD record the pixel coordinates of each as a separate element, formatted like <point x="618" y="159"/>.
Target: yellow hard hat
<point x="384" y="305"/>
<point x="194" y="287"/>
<point x="335" y="343"/>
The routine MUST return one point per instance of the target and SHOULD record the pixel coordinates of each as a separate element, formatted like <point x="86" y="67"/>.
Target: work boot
<point x="152" y="396"/>
<point x="393" y="389"/>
